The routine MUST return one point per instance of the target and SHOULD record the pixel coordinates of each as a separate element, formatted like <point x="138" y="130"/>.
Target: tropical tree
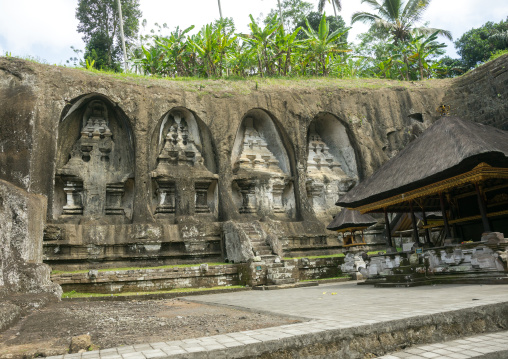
<point x="337" y="6"/>
<point x="321" y="43"/>
<point x="314" y="19"/>
<point x="261" y="39"/>
<point x="397" y="18"/>
<point x="220" y="9"/>
<point x="477" y="45"/>
<point x="423" y="48"/>
<point x="101" y="17"/>
<point x="293" y="12"/>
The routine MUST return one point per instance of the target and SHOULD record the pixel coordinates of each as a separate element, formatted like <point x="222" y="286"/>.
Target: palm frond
<point x="365" y="17"/>
<point x="430" y="30"/>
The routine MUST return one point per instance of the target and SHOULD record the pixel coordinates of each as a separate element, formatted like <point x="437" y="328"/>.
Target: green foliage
<point x="294" y="13"/>
<point x="99" y="24"/>
<point x="497" y="54"/>
<point x="319" y="48"/>
<point x="314" y="19"/>
<point x="397" y="18"/>
<point x="74" y="294"/>
<point x="477" y="45"/>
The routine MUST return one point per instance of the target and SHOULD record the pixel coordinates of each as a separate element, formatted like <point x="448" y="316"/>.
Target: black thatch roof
<point x="449" y="147"/>
<point x="348" y="218"/>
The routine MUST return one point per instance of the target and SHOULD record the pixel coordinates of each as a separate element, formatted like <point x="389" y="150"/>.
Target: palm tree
<point x="397" y="18"/>
<point x="336" y="6"/>
<point x="220" y="10"/>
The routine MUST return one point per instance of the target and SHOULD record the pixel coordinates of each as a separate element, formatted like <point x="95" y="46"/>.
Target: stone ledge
<point x="327" y="338"/>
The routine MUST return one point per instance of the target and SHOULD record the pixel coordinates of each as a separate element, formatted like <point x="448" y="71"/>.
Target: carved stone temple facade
<point x="159" y="172"/>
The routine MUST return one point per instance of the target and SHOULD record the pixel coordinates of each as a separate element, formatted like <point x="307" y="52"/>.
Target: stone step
<point x="283" y="281"/>
<point x="284" y="286"/>
<point x="263" y="252"/>
<point x="273" y="276"/>
<point x="277" y="265"/>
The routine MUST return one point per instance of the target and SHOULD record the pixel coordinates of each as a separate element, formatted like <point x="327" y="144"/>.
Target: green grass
<point x="233" y="85"/>
<point x="74" y="294"/>
<point x="497" y="54"/>
<point x="373" y="253"/>
<point x="317" y="257"/>
<point x="55" y="272"/>
<point x="313" y="280"/>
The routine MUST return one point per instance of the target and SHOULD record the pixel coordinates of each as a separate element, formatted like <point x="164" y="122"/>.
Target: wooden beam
<point x="445" y="217"/>
<point x="483" y="208"/>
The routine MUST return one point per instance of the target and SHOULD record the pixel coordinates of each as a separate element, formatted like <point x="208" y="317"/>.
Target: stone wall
<point x="199" y="276"/>
<point x="172" y="154"/>
<point x="22" y="218"/>
<point x="145" y="280"/>
<point x="481" y="95"/>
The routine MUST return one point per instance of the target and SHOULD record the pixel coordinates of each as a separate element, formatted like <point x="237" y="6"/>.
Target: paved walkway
<point x="470" y="347"/>
<point x="324" y="308"/>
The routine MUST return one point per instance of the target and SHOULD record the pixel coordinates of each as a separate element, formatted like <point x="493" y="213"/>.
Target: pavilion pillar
<point x="415" y="224"/>
<point x="483" y="208"/>
<point x="445" y="218"/>
<point x="427" y="232"/>
<point x="388" y="230"/>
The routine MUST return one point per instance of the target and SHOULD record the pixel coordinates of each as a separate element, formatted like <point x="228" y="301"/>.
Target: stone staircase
<point x="278" y="272"/>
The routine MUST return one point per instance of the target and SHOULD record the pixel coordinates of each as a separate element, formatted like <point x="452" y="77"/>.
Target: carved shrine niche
<point x="94" y="175"/>
<point x="331" y="164"/>
<point x="262" y="184"/>
<point x="184" y="182"/>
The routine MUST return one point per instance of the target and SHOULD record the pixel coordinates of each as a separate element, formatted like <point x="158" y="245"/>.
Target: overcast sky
<point x="47" y="28"/>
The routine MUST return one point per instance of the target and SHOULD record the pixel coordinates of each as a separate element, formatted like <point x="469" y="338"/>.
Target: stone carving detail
<point x="179" y="147"/>
<point x="181" y="160"/>
<point x="259" y="176"/>
<point x="326" y="179"/>
<point x="94" y="176"/>
<point x="255" y="155"/>
<point x="166" y="197"/>
<point x="320" y="160"/>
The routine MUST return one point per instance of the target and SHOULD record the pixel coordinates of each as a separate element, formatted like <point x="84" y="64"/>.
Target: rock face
<point x="22" y="218"/>
<point x="149" y="170"/>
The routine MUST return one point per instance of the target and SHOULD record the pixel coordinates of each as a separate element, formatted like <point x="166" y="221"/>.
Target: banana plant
<point x="174" y="47"/>
<point x="261" y="40"/>
<point x="423" y="48"/>
<point x="320" y="44"/>
<point x="284" y="44"/>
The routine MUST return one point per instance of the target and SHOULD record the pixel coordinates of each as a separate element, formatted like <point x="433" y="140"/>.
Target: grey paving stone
<point x="415" y="350"/>
<point x="459" y="356"/>
<point x="133" y="356"/>
<point x="174" y="350"/>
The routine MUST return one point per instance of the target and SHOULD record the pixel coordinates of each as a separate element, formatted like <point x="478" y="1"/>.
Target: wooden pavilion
<point x="351" y="221"/>
<point x="456" y="167"/>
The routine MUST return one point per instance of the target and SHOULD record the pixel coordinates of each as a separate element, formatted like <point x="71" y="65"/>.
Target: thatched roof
<point x="449" y="147"/>
<point x="348" y="218"/>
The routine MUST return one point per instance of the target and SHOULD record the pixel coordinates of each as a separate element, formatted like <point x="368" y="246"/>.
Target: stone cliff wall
<point x="174" y="153"/>
<point x="22" y="218"/>
<point x="481" y="95"/>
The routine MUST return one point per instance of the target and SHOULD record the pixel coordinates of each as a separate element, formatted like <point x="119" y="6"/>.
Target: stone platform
<point x="341" y="320"/>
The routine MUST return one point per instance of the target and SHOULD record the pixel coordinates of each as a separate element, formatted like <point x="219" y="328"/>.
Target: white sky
<point x="47" y="28"/>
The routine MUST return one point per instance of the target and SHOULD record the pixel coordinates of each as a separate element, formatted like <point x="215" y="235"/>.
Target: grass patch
<point x="55" y="272"/>
<point x="313" y="280"/>
<point x="317" y="257"/>
<point x="373" y="253"/>
<point x="74" y="294"/>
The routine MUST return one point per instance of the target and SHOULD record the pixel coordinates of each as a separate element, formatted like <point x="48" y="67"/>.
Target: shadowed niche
<point x="94" y="179"/>
<point x="184" y="179"/>
<point x="331" y="164"/>
<point x="263" y="182"/>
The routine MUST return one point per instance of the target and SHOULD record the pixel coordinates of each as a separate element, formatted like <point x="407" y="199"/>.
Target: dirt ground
<point x="48" y="331"/>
